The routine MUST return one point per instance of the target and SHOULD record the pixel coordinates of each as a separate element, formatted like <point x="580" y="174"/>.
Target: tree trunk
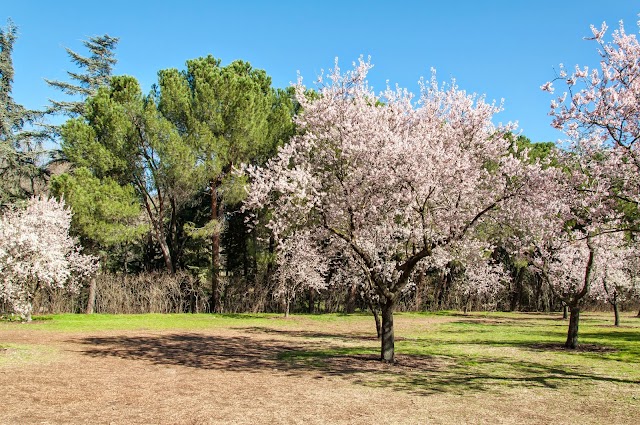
<point x="373" y="307"/>
<point x="616" y="313"/>
<point x="350" y="305"/>
<point x="92" y="296"/>
<point x="164" y="247"/>
<point x="376" y="317"/>
<point x="158" y="228"/>
<point x="215" y="252"/>
<point x="539" y="302"/>
<point x="312" y="296"/>
<point x="387" y="354"/>
<point x="442" y="291"/>
<point x="574" y="305"/>
<point x="516" y="292"/>
<point x="270" y="263"/>
<point x="572" y="335"/>
<point x="565" y="311"/>
<point x="467" y="301"/>
<point x="254" y="258"/>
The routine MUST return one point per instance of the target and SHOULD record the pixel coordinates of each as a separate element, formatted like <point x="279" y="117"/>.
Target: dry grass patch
<point x="313" y="370"/>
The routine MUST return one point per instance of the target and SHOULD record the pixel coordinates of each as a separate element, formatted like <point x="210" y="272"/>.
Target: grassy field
<point x="452" y="368"/>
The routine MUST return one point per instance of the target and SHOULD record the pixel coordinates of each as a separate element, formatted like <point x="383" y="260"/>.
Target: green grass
<point x="493" y="351"/>
<point x="441" y="352"/>
<point x="139" y="322"/>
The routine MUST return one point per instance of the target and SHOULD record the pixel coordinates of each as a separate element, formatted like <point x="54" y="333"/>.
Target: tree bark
<point x="215" y="252"/>
<point x="158" y="227"/>
<point x="442" y="291"/>
<point x="376" y="317"/>
<point x="373" y="307"/>
<point x="387" y="353"/>
<point x="516" y="292"/>
<point x="572" y="335"/>
<point x="166" y="253"/>
<point x="574" y="304"/>
<point x="616" y="313"/>
<point x="350" y="305"/>
<point x="173" y="233"/>
<point x="92" y="296"/>
<point x="311" y="300"/>
<point x="565" y="311"/>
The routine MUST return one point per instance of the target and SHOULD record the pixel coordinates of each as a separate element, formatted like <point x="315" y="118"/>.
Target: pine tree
<point x="124" y="139"/>
<point x="229" y="116"/>
<point x="97" y="69"/>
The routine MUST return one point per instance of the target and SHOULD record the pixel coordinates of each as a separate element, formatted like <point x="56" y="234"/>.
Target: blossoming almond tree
<point x="300" y="266"/>
<point x="567" y="263"/>
<point x="599" y="110"/>
<point x="575" y="239"/>
<point x="579" y="265"/>
<point x="392" y="179"/>
<point x="37" y="252"/>
<point x="619" y="267"/>
<point x="602" y="107"/>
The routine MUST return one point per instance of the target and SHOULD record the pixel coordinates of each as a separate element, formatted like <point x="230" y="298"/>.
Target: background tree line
<point x="151" y="179"/>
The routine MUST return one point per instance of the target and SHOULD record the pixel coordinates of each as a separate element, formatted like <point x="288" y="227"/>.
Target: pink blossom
<point x="393" y="180"/>
<point x="37" y="251"/>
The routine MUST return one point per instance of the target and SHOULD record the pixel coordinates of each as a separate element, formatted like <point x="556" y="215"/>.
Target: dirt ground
<point x="242" y="376"/>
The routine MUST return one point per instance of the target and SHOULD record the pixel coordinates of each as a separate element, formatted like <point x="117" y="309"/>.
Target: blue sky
<point x="504" y="49"/>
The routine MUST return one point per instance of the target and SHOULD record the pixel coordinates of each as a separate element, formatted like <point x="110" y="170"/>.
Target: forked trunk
<point x="387" y="352"/>
<point x="572" y="335"/>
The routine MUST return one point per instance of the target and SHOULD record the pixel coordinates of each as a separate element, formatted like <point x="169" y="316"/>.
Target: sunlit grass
<point x="15" y="354"/>
<point x="435" y="351"/>
<point x="135" y="322"/>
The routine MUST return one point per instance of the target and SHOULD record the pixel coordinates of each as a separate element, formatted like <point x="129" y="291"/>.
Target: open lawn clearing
<point x="452" y="368"/>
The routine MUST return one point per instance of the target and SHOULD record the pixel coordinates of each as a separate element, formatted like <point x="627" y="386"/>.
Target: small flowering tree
<point x="619" y="268"/>
<point x="599" y="110"/>
<point x="481" y="278"/>
<point x="37" y="252"/>
<point x="300" y="266"/>
<point x="574" y="240"/>
<point x="392" y="180"/>
<point x="567" y="263"/>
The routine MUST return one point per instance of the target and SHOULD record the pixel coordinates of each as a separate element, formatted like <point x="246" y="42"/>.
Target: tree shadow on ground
<point x="416" y="374"/>
<point x="352" y="336"/>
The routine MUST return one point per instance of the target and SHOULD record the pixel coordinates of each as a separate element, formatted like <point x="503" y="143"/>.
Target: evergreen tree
<point x="105" y="214"/>
<point x="229" y="116"/>
<point x="20" y="147"/>
<point x="123" y="138"/>
<point x="95" y="72"/>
